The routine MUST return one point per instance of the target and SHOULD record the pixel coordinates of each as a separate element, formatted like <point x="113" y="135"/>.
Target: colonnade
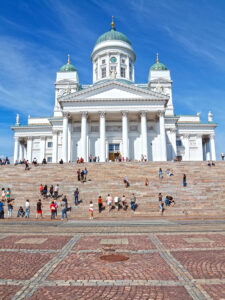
<point x="209" y="151"/>
<point x="102" y="130"/>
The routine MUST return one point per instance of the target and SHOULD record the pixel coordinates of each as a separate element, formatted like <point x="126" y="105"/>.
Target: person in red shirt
<point x="100" y="204"/>
<point x="41" y="189"/>
<point x="53" y="210"/>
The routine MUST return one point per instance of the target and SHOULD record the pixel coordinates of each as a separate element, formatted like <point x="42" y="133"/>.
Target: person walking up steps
<point x="184" y="180"/>
<point x="76" y="197"/>
<point x="100" y="204"/>
<point x="39" y="209"/>
<point x="91" y="210"/>
<point x="27" y="209"/>
<point x="64" y="206"/>
<point x="52" y="209"/>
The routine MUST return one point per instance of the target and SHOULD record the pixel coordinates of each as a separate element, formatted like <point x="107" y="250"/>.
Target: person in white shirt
<point x="91" y="210"/>
<point x="116" y="201"/>
<point x="109" y="202"/>
<point x="27" y="209"/>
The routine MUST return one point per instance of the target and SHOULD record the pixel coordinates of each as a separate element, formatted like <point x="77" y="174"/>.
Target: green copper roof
<point x="158" y="66"/>
<point x="68" y="68"/>
<point x="112" y="35"/>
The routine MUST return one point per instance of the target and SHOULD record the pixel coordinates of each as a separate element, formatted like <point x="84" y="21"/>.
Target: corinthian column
<point x="212" y="146"/>
<point x="125" y="135"/>
<point x="16" y="148"/>
<point x="84" y="135"/>
<point x="65" y="137"/>
<point x="162" y="135"/>
<point x="102" y="136"/>
<point x="144" y="135"/>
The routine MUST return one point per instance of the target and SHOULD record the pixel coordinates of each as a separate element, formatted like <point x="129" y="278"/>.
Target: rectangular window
<point x="103" y="72"/>
<point x="49" y="159"/>
<point x="50" y="144"/>
<point x="122" y="72"/>
<point x="123" y="61"/>
<point x="178" y="143"/>
<point x="114" y="147"/>
<point x="130" y="74"/>
<point x="103" y="61"/>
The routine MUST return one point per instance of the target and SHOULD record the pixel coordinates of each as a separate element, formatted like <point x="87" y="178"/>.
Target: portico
<point x="92" y="133"/>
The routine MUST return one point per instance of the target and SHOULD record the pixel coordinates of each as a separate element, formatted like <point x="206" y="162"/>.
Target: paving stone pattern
<point x="156" y="268"/>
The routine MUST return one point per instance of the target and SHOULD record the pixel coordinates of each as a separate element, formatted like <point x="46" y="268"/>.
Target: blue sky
<point x="36" y="35"/>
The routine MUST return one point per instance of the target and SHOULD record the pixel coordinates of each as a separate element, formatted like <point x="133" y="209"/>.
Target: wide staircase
<point x="204" y="195"/>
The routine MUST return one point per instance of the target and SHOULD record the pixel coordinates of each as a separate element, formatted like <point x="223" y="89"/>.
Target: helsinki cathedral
<point x="114" y="116"/>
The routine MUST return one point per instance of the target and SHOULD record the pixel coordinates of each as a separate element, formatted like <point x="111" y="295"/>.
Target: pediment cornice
<point x="92" y="93"/>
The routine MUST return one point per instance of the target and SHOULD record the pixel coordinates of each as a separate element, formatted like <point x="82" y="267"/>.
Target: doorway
<point x="114" y="152"/>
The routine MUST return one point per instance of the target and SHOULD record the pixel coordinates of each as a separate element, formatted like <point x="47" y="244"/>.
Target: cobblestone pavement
<point x="182" y="260"/>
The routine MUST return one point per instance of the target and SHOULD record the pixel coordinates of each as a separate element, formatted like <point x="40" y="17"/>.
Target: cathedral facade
<point x="114" y="117"/>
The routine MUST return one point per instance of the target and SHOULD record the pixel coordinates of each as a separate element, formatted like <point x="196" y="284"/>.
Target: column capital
<point x="143" y="113"/>
<point x="66" y="115"/>
<point x="84" y="113"/>
<point x="173" y="130"/>
<point x="29" y="138"/>
<point x="124" y="113"/>
<point x="43" y="138"/>
<point x="55" y="131"/>
<point x="102" y="114"/>
<point x="186" y="135"/>
<point x="161" y="113"/>
<point x="212" y="135"/>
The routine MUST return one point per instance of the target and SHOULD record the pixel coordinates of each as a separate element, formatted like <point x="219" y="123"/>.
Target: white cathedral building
<point x="114" y="115"/>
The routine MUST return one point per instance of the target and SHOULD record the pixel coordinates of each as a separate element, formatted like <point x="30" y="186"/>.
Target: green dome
<point x="158" y="66"/>
<point x="68" y="68"/>
<point x="112" y="35"/>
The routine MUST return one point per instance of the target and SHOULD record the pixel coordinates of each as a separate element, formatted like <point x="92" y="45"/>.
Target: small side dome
<point x="68" y="67"/>
<point x="158" y="66"/>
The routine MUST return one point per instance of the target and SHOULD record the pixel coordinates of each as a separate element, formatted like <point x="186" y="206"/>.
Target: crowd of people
<point x="4" y="161"/>
<point x="57" y="201"/>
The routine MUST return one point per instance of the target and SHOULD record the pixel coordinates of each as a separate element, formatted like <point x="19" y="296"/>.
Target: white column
<point x="174" y="142"/>
<point x="102" y="137"/>
<point x="65" y="138"/>
<point x="29" y="149"/>
<point x="207" y="150"/>
<point x="144" y="135"/>
<point x="20" y="151"/>
<point x="55" y="147"/>
<point x="16" y="148"/>
<point x="203" y="149"/>
<point x="125" y="135"/>
<point x="42" y="148"/>
<point x="69" y="141"/>
<point x="25" y="151"/>
<point x="84" y="136"/>
<point x="186" y="145"/>
<point x="162" y="135"/>
<point x="212" y="146"/>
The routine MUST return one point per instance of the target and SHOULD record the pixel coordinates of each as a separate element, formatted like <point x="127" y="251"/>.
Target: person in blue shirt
<point x="2" y="209"/>
<point x="166" y="201"/>
<point x="160" y="174"/>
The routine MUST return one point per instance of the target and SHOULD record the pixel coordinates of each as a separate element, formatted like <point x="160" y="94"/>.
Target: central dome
<point x="113" y="34"/>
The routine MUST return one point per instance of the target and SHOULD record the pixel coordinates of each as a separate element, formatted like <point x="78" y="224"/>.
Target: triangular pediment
<point x="113" y="90"/>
